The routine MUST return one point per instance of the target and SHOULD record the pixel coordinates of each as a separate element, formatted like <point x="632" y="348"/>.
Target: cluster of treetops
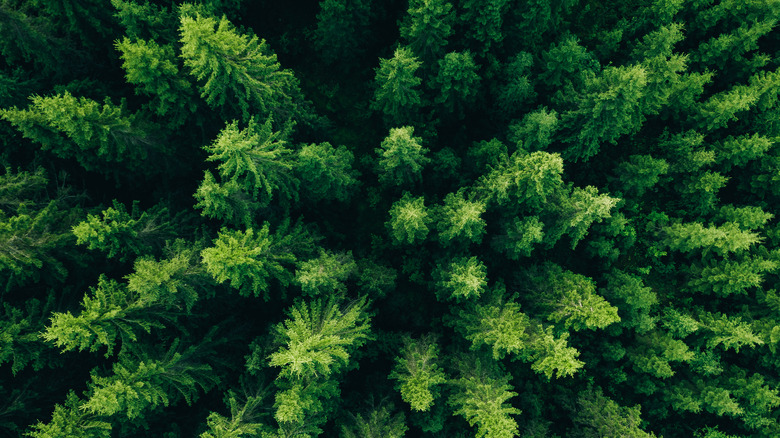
<point x="357" y="218"/>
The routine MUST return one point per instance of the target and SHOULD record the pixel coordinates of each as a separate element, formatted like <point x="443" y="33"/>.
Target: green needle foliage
<point x="353" y="218"/>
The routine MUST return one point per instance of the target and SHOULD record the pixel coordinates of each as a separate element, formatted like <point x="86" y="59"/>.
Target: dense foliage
<point x="359" y="218"/>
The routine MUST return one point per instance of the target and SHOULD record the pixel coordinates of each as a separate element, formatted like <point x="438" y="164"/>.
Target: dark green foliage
<point x="494" y="218"/>
<point x="397" y="93"/>
<point x="326" y="172"/>
<point x="427" y="26"/>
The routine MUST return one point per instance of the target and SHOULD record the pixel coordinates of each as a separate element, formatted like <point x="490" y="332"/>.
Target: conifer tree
<point x="427" y="27"/>
<point x="101" y="138"/>
<point x="238" y="73"/>
<point x="397" y="94"/>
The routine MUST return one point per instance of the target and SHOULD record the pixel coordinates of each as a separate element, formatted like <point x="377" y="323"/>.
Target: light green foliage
<point x="154" y="70"/>
<point x="693" y="236"/>
<point x="461" y="218"/>
<point x="480" y="396"/>
<point x="457" y="82"/>
<point x="427" y="26"/>
<point x="250" y="259"/>
<point x="639" y="174"/>
<point x="749" y="218"/>
<point x="124" y="234"/>
<point x="462" y="279"/>
<point x="583" y="208"/>
<point x="700" y="190"/>
<point x="730" y="277"/>
<point x="401" y="157"/>
<point x="238" y="73"/>
<point x="318" y="338"/>
<point x="378" y="423"/>
<point x="68" y="420"/>
<point x="409" y="220"/>
<point x="738" y="151"/>
<point x="659" y="42"/>
<point x="101" y="138"/>
<point x="418" y="373"/>
<point x="729" y="49"/>
<point x="110" y="314"/>
<point x="551" y="355"/>
<point x="729" y="331"/>
<point x="397" y="93"/>
<point x="141" y="384"/>
<point x="225" y="201"/>
<point x="528" y="178"/>
<point x="243" y="421"/>
<point x="569" y="298"/>
<point x="728" y="105"/>
<point x="522" y="235"/>
<point x="599" y="416"/>
<point x="175" y="282"/>
<point x="609" y="108"/>
<point x="326" y="172"/>
<point x="326" y="274"/>
<point x="115" y="312"/>
<point x="499" y="324"/>
<point x="535" y="132"/>
<point x="256" y="160"/>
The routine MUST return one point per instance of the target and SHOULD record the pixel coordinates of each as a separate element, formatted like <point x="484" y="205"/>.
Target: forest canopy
<point x="356" y="218"/>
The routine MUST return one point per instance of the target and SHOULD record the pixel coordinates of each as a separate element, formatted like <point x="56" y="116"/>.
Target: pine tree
<point x="409" y="220"/>
<point x="427" y="27"/>
<point x="101" y="138"/>
<point x="154" y="69"/>
<point x="238" y="73"/>
<point x="397" y="93"/>
<point x="418" y="373"/>
<point x="401" y="157"/>
<point x="125" y="235"/>
<point x="456" y="83"/>
<point x="254" y="160"/>
<point x="250" y="259"/>
<point x="460" y="218"/>
<point x="326" y="172"/>
<point x="480" y="397"/>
